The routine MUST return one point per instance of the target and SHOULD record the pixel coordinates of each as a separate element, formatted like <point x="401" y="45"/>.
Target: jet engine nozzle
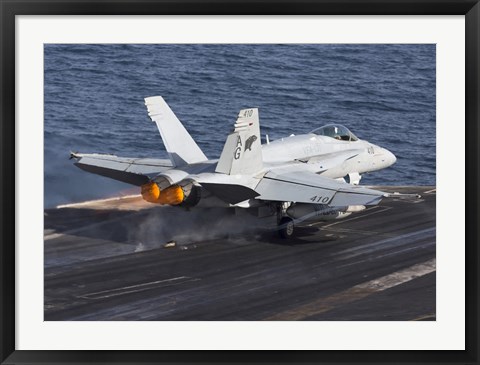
<point x="173" y="195"/>
<point x="150" y="192"/>
<point x="184" y="193"/>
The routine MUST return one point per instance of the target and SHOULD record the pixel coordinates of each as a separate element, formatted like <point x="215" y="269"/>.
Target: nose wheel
<point x="286" y="227"/>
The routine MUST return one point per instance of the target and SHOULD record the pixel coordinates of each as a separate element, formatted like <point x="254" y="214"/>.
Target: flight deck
<point x="124" y="259"/>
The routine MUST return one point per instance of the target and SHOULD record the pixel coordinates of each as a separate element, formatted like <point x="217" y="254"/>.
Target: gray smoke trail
<point x="164" y="224"/>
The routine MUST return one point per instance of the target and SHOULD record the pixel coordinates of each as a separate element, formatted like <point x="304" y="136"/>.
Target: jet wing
<point x="135" y="171"/>
<point x="307" y="187"/>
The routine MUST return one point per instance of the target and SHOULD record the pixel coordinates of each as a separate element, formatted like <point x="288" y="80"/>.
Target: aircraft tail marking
<point x="242" y="152"/>
<point x="180" y="146"/>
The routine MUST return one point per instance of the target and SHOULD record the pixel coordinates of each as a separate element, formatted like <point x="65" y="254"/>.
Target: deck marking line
<point x="422" y="246"/>
<point x="136" y="288"/>
<point x="426" y="316"/>
<point x="412" y="235"/>
<point x="355" y="293"/>
<point x="52" y="236"/>
<point x="430" y="191"/>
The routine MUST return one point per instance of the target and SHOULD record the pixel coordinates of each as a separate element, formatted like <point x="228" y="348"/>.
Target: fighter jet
<point x="312" y="176"/>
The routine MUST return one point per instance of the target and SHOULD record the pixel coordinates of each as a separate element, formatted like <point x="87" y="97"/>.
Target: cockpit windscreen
<point x="336" y="131"/>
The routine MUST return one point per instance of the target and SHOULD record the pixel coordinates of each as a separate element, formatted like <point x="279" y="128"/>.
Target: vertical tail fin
<point x="180" y="146"/>
<point x="242" y="152"/>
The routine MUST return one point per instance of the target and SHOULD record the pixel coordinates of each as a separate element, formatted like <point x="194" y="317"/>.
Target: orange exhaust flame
<point x="150" y="192"/>
<point x="172" y="195"/>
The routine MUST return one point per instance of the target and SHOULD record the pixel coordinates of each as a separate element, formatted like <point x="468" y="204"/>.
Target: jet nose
<point x="390" y="158"/>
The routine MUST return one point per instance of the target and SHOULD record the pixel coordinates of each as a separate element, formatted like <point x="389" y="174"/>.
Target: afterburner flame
<point x="172" y="195"/>
<point x="150" y="192"/>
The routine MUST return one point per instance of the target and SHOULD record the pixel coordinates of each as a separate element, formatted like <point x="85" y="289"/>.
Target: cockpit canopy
<point x="336" y="131"/>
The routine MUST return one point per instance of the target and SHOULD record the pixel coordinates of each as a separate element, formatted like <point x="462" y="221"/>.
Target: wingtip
<point x="150" y="99"/>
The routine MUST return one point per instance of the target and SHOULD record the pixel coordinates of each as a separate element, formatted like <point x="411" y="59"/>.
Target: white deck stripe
<point x="136" y="288"/>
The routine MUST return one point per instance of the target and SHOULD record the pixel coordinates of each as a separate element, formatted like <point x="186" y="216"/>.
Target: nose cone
<point x="390" y="158"/>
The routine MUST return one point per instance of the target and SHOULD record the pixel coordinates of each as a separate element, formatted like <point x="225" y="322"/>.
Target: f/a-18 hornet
<point x="295" y="178"/>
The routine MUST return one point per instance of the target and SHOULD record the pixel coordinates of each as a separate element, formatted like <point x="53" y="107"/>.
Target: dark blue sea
<point x="94" y="102"/>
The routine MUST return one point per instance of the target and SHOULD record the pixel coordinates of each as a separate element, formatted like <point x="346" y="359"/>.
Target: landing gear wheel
<point x="286" y="227"/>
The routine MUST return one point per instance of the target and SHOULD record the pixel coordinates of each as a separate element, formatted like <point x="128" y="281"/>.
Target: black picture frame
<point x="10" y="9"/>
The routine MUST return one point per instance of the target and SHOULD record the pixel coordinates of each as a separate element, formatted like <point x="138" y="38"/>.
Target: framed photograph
<point x="239" y="182"/>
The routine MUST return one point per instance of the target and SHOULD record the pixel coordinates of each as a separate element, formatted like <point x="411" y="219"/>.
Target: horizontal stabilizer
<point x="230" y="193"/>
<point x="134" y="171"/>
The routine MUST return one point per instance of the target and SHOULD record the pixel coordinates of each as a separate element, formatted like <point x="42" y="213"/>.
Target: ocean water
<point x="384" y="93"/>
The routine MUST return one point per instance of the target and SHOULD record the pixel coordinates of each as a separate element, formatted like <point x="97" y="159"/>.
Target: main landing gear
<point x="286" y="225"/>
